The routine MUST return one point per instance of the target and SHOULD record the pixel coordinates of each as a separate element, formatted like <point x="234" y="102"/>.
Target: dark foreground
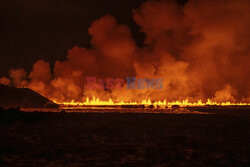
<point x="124" y="139"/>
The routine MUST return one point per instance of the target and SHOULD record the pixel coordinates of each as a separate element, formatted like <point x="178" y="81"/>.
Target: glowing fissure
<point x="164" y="103"/>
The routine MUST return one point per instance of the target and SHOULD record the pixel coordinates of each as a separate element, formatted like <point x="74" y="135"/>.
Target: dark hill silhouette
<point x="22" y="97"/>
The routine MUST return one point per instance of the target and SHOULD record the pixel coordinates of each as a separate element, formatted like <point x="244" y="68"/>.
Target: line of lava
<point x="164" y="103"/>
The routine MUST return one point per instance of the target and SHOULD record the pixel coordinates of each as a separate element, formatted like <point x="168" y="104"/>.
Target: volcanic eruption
<point x="200" y="50"/>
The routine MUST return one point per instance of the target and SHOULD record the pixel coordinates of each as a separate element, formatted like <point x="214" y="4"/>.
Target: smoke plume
<point x="200" y="50"/>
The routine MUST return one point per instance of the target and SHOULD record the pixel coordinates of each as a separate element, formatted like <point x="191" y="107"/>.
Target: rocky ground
<point x="124" y="139"/>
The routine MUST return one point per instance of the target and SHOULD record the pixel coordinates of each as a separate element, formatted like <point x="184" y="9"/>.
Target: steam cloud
<point x="200" y="50"/>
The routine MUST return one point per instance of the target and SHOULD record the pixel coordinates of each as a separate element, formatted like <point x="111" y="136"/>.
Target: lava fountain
<point x="199" y="50"/>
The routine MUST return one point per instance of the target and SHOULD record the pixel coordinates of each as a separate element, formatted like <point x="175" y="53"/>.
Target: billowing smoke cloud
<point x="200" y="50"/>
<point x="219" y="54"/>
<point x="18" y="77"/>
<point x="40" y="77"/>
<point x="4" y="81"/>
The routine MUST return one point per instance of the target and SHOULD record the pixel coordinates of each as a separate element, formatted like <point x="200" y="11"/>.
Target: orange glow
<point x="199" y="51"/>
<point x="164" y="103"/>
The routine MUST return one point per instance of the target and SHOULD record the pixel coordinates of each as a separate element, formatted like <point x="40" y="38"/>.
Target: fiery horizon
<point x="200" y="50"/>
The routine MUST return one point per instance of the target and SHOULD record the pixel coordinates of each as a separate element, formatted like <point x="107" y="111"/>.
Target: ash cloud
<point x="200" y="50"/>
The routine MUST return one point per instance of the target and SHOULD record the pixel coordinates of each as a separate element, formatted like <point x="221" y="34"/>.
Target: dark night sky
<point x="46" y="29"/>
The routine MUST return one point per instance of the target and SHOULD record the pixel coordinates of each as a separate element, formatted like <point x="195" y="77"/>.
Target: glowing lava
<point x="164" y="103"/>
